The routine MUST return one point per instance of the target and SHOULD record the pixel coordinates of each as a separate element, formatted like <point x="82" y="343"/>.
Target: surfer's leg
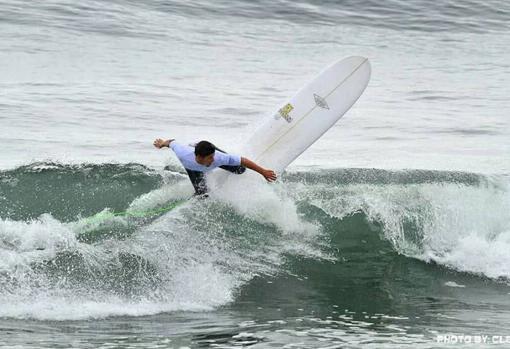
<point x="234" y="169"/>
<point x="198" y="181"/>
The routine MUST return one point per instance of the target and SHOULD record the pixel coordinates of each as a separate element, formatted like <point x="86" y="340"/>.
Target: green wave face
<point x="70" y="191"/>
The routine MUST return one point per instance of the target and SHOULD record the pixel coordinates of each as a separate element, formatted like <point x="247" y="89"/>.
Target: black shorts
<point x="198" y="180"/>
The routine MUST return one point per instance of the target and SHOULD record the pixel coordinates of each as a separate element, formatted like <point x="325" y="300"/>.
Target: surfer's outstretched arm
<point x="160" y="143"/>
<point x="269" y="175"/>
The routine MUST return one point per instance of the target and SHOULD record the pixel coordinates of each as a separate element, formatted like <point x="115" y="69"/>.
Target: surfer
<point x="204" y="157"/>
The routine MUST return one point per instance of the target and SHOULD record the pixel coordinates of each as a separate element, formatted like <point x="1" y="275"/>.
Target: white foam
<point x="191" y="277"/>
<point x="470" y="229"/>
<point x="47" y="306"/>
<point x="28" y="242"/>
<point x="477" y="254"/>
<point x="266" y="203"/>
<point x="453" y="284"/>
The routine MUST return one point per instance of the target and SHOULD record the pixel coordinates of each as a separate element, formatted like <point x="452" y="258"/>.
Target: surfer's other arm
<point x="269" y="175"/>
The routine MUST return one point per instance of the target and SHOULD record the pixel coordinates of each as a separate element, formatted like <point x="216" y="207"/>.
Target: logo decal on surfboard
<point x="284" y="112"/>
<point x="321" y="102"/>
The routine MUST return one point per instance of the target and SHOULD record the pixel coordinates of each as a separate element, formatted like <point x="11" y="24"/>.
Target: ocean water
<point x="391" y="231"/>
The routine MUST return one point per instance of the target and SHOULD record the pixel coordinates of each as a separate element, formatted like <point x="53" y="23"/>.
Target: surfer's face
<point x="205" y="160"/>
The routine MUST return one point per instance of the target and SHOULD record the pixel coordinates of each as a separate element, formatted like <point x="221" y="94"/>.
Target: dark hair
<point x="204" y="148"/>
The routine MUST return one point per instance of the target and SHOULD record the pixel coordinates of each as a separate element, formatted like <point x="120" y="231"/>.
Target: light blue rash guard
<point x="186" y="155"/>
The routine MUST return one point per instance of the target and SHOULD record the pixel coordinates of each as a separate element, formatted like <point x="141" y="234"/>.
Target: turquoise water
<point x="393" y="230"/>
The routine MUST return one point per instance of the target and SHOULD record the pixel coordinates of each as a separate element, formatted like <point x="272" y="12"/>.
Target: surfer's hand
<point x="159" y="143"/>
<point x="269" y="175"/>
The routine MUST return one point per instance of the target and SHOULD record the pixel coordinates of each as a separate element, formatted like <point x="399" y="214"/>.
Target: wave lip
<point x="458" y="220"/>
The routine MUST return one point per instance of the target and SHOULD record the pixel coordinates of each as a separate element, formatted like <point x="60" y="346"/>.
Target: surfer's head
<point x="204" y="153"/>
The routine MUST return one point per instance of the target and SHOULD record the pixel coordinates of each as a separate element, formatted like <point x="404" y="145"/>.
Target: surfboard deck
<point x="300" y="121"/>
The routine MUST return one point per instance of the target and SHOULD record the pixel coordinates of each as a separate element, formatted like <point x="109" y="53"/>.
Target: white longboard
<point x="301" y="120"/>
